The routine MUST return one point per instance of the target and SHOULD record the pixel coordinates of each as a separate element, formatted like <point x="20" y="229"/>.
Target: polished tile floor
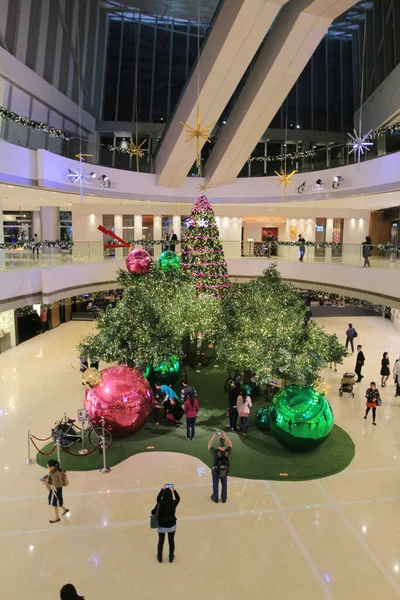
<point x="336" y="538"/>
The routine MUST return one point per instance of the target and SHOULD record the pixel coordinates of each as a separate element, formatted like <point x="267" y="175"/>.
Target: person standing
<point x="68" y="592"/>
<point x="191" y="410"/>
<point x="43" y="319"/>
<point x="165" y="242"/>
<point x="396" y="376"/>
<point x="186" y="390"/>
<point x="351" y="333"/>
<point x="54" y="482"/>
<point x="366" y="250"/>
<point x="234" y="392"/>
<point x="35" y="245"/>
<point x="220" y="468"/>
<point x="360" y="360"/>
<point x="385" y="371"/>
<point x="173" y="238"/>
<point x="302" y="247"/>
<point x="165" y="508"/>
<point x="243" y="406"/>
<point x="373" y="400"/>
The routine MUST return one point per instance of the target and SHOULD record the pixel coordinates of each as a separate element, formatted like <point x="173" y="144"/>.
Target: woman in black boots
<point x="167" y="501"/>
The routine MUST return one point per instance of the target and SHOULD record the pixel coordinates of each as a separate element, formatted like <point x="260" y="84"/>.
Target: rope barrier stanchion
<point x="43" y="453"/>
<point x="105" y="469"/>
<point x="79" y="455"/>
<point x="29" y="460"/>
<point x="83" y="450"/>
<point x="58" y="451"/>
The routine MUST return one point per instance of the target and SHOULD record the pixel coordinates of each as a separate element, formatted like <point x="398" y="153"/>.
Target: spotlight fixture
<point x="93" y="175"/>
<point x="336" y="181"/>
<point x="124" y="144"/>
<point x="301" y="189"/>
<point x="105" y="181"/>
<point x="319" y="182"/>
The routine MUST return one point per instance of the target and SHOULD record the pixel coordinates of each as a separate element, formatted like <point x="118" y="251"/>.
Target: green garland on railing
<point x="59" y="244"/>
<point x="389" y="247"/>
<point x="36" y="125"/>
<point x="281" y="157"/>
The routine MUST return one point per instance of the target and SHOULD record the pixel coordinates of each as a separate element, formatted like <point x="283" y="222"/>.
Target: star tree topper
<point x="198" y="133"/>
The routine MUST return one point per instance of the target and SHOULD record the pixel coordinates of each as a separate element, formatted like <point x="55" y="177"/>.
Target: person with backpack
<point x="243" y="406"/>
<point x="220" y="468"/>
<point x="351" y="333"/>
<point x="191" y="409"/>
<point x="54" y="482"/>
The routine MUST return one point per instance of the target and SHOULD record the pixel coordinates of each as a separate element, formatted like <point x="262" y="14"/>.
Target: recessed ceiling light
<point x="10" y="186"/>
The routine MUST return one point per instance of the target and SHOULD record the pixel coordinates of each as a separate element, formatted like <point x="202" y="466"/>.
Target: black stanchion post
<point x="105" y="469"/>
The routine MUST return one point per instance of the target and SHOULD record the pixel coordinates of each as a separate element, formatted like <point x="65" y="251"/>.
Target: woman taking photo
<point x="54" y="483"/>
<point x="385" y="371"/>
<point x="191" y="409"/>
<point x="167" y="501"/>
<point x="243" y="406"/>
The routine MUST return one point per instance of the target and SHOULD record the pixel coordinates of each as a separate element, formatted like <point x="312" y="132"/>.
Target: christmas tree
<point x="202" y="252"/>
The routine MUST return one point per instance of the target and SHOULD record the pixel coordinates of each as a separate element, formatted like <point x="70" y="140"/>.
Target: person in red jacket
<point x="191" y="409"/>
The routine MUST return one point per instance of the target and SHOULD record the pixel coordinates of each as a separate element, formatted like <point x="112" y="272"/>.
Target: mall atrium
<point x="200" y="290"/>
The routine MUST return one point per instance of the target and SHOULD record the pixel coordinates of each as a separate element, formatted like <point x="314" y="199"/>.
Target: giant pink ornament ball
<point x="138" y="261"/>
<point x="124" y="398"/>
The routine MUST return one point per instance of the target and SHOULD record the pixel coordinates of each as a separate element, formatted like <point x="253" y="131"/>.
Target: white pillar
<point x="50" y="222"/>
<point x="328" y="238"/>
<point x="1" y="221"/>
<point x="157" y="234"/>
<point x="118" y="230"/>
<point x="36" y="223"/>
<point x="138" y="227"/>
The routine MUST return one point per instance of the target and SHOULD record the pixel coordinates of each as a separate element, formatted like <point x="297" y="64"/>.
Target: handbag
<point x="378" y="402"/>
<point x="154" y="518"/>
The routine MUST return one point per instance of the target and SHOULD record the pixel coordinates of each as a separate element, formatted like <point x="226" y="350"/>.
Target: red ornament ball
<point x="138" y="261"/>
<point x="124" y="398"/>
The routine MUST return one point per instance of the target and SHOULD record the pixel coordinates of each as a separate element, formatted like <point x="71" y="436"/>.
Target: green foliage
<point x="258" y="326"/>
<point x="264" y="331"/>
<point x="148" y="325"/>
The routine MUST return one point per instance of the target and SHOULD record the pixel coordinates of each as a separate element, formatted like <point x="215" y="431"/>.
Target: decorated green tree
<point x="264" y="331"/>
<point x="202" y="252"/>
<point x="147" y="326"/>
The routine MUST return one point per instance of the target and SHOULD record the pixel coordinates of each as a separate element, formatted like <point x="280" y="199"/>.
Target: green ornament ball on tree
<point x="300" y="418"/>
<point x="167" y="372"/>
<point x="169" y="261"/>
<point x="262" y="418"/>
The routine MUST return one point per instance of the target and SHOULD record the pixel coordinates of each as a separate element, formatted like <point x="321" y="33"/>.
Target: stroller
<point x="347" y="384"/>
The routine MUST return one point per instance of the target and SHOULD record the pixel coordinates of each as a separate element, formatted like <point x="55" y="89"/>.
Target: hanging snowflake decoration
<point x="203" y="223"/>
<point x="75" y="176"/>
<point x="359" y="143"/>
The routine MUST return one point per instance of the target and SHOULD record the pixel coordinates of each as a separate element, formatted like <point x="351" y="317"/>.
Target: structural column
<point x="1" y="221"/>
<point x="176" y="226"/>
<point x="138" y="227"/>
<point x="36" y="224"/>
<point x="118" y="230"/>
<point x="50" y="222"/>
<point x="328" y="238"/>
<point x="157" y="234"/>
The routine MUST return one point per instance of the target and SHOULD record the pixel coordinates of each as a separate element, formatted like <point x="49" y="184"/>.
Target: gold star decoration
<point x="203" y="188"/>
<point x="284" y="179"/>
<point x="198" y="134"/>
<point x="135" y="149"/>
<point x="81" y="156"/>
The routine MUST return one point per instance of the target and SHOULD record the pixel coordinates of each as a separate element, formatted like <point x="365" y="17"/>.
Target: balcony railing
<point x="94" y="252"/>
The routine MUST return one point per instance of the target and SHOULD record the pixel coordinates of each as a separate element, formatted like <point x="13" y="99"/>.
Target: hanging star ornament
<point x="359" y="143"/>
<point x="200" y="133"/>
<point x="75" y="176"/>
<point x="135" y="149"/>
<point x="285" y="179"/>
<point x="203" y="188"/>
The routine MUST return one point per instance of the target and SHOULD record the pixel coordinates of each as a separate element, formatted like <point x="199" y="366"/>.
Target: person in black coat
<point x="234" y="392"/>
<point x="366" y="250"/>
<point x="360" y="360"/>
<point x="385" y="371"/>
<point x="167" y="501"/>
<point x="173" y="238"/>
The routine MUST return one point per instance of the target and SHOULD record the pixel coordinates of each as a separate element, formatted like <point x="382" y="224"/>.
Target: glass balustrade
<point x="94" y="252"/>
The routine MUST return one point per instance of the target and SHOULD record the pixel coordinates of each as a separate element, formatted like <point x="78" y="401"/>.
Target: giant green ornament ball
<point x="169" y="261"/>
<point x="262" y="418"/>
<point x="167" y="372"/>
<point x="300" y="418"/>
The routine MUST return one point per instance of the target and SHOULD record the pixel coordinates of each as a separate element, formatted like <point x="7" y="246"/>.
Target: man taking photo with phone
<point x="220" y="468"/>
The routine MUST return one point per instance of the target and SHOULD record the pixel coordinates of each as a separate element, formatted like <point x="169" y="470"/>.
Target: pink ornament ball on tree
<point x="138" y="261"/>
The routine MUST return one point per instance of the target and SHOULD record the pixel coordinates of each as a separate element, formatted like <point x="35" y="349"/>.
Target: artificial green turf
<point x="259" y="456"/>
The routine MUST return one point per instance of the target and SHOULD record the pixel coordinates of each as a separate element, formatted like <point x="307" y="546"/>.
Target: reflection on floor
<point x="334" y="538"/>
